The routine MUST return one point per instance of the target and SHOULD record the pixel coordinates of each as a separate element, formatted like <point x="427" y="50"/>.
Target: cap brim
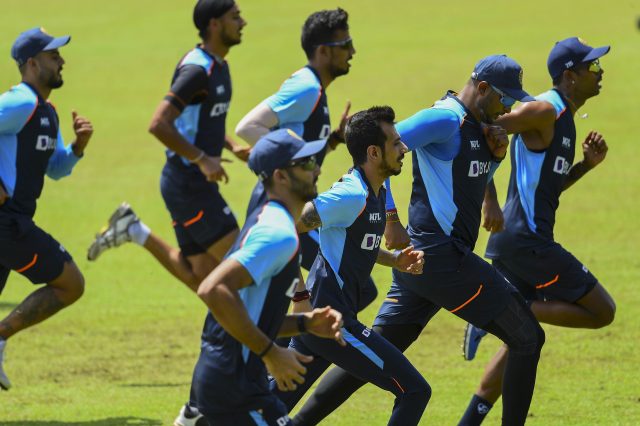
<point x="596" y="53"/>
<point x="310" y="148"/>
<point x="518" y="94"/>
<point x="57" y="42"/>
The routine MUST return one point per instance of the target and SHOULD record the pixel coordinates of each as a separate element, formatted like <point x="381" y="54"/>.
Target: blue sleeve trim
<point x="342" y="204"/>
<point x="429" y="126"/>
<point x="16" y="108"/>
<point x="390" y="203"/>
<point x="296" y="99"/>
<point x="62" y="161"/>
<point x="198" y="57"/>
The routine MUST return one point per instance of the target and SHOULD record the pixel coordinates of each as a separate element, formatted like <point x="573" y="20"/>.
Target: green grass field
<point x="125" y="352"/>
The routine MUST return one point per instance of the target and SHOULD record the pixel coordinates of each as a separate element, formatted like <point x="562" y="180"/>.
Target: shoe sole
<point x="465" y="343"/>
<point x="120" y="212"/>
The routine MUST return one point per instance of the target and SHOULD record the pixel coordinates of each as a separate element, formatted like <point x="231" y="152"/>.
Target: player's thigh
<point x="371" y="358"/>
<point x="404" y="307"/>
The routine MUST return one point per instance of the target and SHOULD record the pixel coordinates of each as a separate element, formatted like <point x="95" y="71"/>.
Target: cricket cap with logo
<point x="277" y="149"/>
<point x="570" y="52"/>
<point x="33" y="41"/>
<point x="503" y="73"/>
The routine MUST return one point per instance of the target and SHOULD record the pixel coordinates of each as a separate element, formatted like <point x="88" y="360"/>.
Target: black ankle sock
<point x="476" y="412"/>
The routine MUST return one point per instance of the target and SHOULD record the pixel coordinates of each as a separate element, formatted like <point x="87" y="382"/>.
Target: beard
<point x="51" y="79"/>
<point x="305" y="191"/>
<point x="228" y="40"/>
<point x="386" y="169"/>
<point x="336" y="72"/>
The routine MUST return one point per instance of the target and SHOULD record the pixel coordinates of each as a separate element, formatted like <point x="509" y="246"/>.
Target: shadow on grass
<point x="153" y="385"/>
<point x="113" y="421"/>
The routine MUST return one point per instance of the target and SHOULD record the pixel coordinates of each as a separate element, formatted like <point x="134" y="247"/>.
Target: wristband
<point x="302" y="328"/>
<point x="198" y="158"/>
<point x="299" y="296"/>
<point x="265" y="350"/>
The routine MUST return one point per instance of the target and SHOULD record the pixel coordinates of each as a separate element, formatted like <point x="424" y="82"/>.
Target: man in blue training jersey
<point x="456" y="151"/>
<point x="31" y="146"/>
<point x="558" y="287"/>
<point x="351" y="220"/>
<point x="301" y="105"/>
<point x="190" y="122"/>
<point x="249" y="292"/>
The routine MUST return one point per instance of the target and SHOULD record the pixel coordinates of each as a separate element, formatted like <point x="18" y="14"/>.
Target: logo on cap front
<point x="42" y="30"/>
<point x="581" y="40"/>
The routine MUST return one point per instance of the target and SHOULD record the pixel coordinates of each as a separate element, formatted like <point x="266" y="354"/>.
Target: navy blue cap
<point x="503" y="73"/>
<point x="571" y="52"/>
<point x="33" y="41"/>
<point x="277" y="149"/>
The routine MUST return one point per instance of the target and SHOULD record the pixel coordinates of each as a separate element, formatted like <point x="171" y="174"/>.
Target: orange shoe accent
<point x="468" y="301"/>
<point x="398" y="384"/>
<point x="547" y="284"/>
<point x="33" y="262"/>
<point x="194" y="220"/>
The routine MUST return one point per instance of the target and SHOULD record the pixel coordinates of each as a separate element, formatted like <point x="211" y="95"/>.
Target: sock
<point x="139" y="232"/>
<point x="476" y="412"/>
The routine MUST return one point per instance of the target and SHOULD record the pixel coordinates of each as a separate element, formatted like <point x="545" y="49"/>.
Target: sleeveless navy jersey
<point x="452" y="164"/>
<point x="267" y="247"/>
<point x="203" y="94"/>
<point x="301" y="105"/>
<point x="535" y="185"/>
<point x="30" y="147"/>
<point x="353" y="223"/>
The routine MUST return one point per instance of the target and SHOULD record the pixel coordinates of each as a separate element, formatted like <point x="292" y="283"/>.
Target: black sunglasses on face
<point x="306" y="163"/>
<point x="344" y="44"/>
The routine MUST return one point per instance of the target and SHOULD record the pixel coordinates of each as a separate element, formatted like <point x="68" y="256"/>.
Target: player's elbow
<point x="158" y="126"/>
<point x="242" y="130"/>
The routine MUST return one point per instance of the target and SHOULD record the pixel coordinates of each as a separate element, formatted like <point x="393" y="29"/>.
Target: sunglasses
<point x="344" y="44"/>
<point x="306" y="163"/>
<point x="506" y="100"/>
<point x="594" y="66"/>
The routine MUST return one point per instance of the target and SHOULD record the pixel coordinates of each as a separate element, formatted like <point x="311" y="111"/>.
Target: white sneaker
<point x="190" y="416"/>
<point x="5" y="383"/>
<point x="115" y="233"/>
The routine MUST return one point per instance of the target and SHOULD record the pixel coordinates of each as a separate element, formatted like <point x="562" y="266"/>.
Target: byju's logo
<point x="561" y="166"/>
<point x="566" y="142"/>
<point x="477" y="168"/>
<point x="45" y="143"/>
<point x="370" y="241"/>
<point x="219" y="109"/>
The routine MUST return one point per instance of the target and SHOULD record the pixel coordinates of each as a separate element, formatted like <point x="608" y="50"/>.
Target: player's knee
<point x="531" y="340"/>
<point x="74" y="289"/>
<point x="606" y="315"/>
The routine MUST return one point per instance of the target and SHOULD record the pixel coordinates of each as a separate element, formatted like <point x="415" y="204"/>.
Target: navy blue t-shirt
<point x="536" y="182"/>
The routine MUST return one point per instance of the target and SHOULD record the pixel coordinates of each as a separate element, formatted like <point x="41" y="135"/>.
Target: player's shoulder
<point x="353" y="187"/>
<point x="304" y="79"/>
<point x="276" y="224"/>
<point x="547" y="102"/>
<point x="449" y="109"/>
<point x="19" y="96"/>
<point x="200" y="58"/>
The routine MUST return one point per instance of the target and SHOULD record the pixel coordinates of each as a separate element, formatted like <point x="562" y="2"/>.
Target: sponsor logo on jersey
<point x="44" y="122"/>
<point x="45" y="143"/>
<point x="475" y="145"/>
<point x="291" y="291"/>
<point x="283" y="421"/>
<point x="370" y="241"/>
<point x="220" y="89"/>
<point x="366" y="332"/>
<point x="561" y="166"/>
<point x="375" y="217"/>
<point x="479" y="168"/>
<point x="326" y="110"/>
<point x="219" y="109"/>
<point x="566" y="142"/>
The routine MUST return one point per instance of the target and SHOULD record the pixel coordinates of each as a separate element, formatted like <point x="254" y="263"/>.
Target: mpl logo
<point x="44" y="122"/>
<point x="220" y="89"/>
<point x="375" y="217"/>
<point x="219" y="109"/>
<point x="566" y="142"/>
<point x="475" y="145"/>
<point x="326" y="110"/>
<point x="45" y="143"/>
<point x="561" y="166"/>
<point x="370" y="241"/>
<point x="477" y="168"/>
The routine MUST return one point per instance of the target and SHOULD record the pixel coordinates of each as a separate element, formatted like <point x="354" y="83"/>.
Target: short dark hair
<point x="364" y="129"/>
<point x="320" y="27"/>
<point x="205" y="10"/>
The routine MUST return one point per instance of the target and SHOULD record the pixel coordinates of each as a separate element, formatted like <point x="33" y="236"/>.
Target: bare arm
<point x="309" y="219"/>
<point x="594" y="149"/>
<point x="534" y="121"/>
<point x="405" y="260"/>
<point x="493" y="217"/>
<point x="256" y="123"/>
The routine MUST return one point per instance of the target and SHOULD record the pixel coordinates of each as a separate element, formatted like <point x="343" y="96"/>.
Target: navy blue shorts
<point x="200" y="215"/>
<point x="229" y="397"/>
<point x="27" y="249"/>
<point x="547" y="273"/>
<point x="368" y="356"/>
<point x="460" y="282"/>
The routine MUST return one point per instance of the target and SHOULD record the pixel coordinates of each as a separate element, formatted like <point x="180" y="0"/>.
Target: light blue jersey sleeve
<point x="16" y="107"/>
<point x="295" y="100"/>
<point x="342" y="204"/>
<point x="429" y="126"/>
<point x="266" y="251"/>
<point x="62" y="161"/>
